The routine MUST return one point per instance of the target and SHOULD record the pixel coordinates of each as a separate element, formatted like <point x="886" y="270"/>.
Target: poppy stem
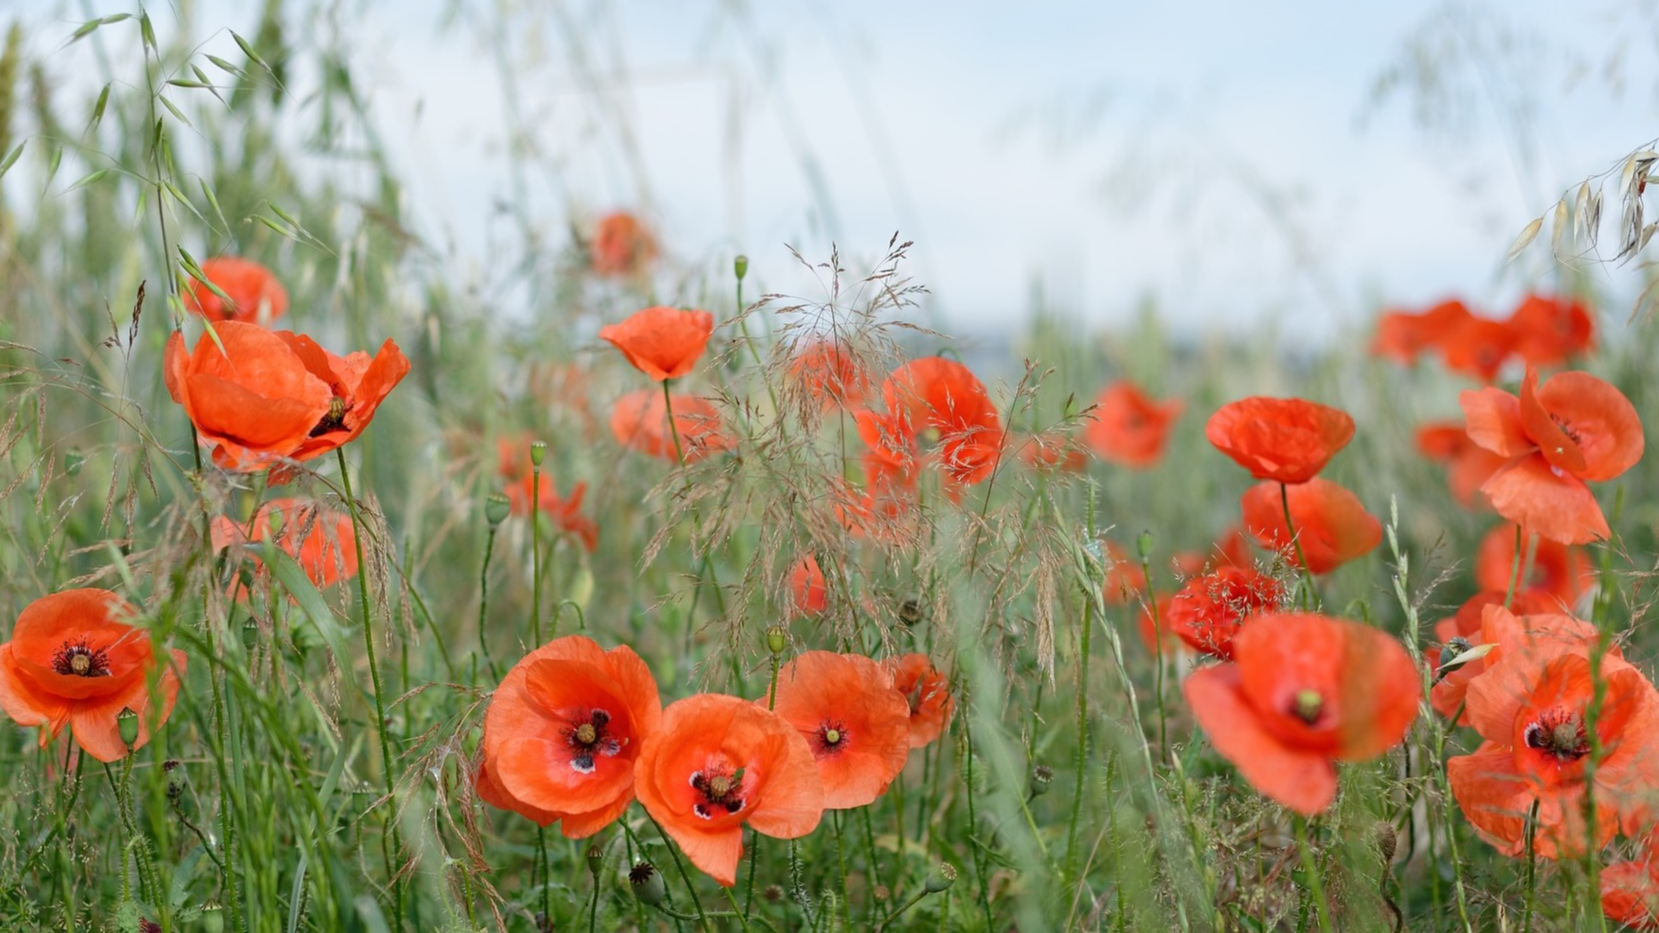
<point x="1158" y="654"/>
<point x="1521" y="547"/>
<point x="1315" y="887"/>
<point x="535" y="558"/>
<point x="673" y="429"/>
<point x="679" y="865"/>
<point x="484" y="602"/>
<point x="374" y="681"/>
<point x="1532" y="865"/>
<point x="1301" y="556"/>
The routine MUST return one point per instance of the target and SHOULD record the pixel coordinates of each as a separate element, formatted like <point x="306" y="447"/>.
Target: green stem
<point x="1514" y="569"/>
<point x="1301" y="556"/>
<point x="535" y="558"/>
<point x="1158" y="657"/>
<point x="484" y="602"/>
<point x="673" y="429"/>
<point x="679" y="866"/>
<point x="1315" y="887"/>
<point x="1532" y="866"/>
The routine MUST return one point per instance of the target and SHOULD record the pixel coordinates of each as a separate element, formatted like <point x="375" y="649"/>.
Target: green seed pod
<point x="740" y="265"/>
<point x="538" y="452"/>
<point x="596" y="859"/>
<point x="496" y="508"/>
<point x="647" y="884"/>
<point x="940" y="878"/>
<point x="1041" y="777"/>
<point x="1143" y="546"/>
<point x="776" y="639"/>
<point x="127" y="722"/>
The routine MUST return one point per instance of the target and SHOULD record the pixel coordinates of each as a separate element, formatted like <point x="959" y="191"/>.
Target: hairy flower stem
<point x="1532" y="866"/>
<point x="483" y="604"/>
<point x="1306" y="599"/>
<point x="535" y="558"/>
<point x="1081" y="759"/>
<point x="1159" y="658"/>
<point x="1315" y="887"/>
<point x="973" y="825"/>
<point x="374" y="682"/>
<point x="679" y="865"/>
<point x="1514" y="569"/>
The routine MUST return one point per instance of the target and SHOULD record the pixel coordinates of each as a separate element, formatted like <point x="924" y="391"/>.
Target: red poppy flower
<point x="1531" y="708"/>
<point x="1550" y="330"/>
<point x="564" y="731"/>
<point x="1208" y="612"/>
<point x="322" y="541"/>
<point x="720" y="762"/>
<point x="889" y="460"/>
<point x="1288" y="440"/>
<point x="926" y="692"/>
<point x="1332" y="526"/>
<point x="74" y="661"/>
<point x="256" y="297"/>
<point x="1630" y="890"/>
<point x="1404" y="335"/>
<point x="880" y="513"/>
<point x="1155" y="631"/>
<point x="621" y="245"/>
<point x="1130" y="428"/>
<point x="1468" y="465"/>
<point x="807" y="589"/>
<point x="661" y="342"/>
<point x="829" y="372"/>
<point x="270" y="396"/>
<point x="854" y="721"/>
<point x="1306" y="689"/>
<point x="935" y="398"/>
<point x="1125" y="578"/>
<point x="1559" y="572"/>
<point x="640" y="421"/>
<point x="1230" y="549"/>
<point x="1528" y="625"/>
<point x="1478" y="347"/>
<point x="1047" y="452"/>
<point x="1571" y="429"/>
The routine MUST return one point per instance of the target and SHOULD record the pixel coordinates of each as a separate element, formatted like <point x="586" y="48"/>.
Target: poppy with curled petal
<point x="1532" y="708"/>
<point x="1404" y="335"/>
<point x="1557" y="436"/>
<point x="938" y="401"/>
<point x="853" y="720"/>
<point x="256" y="297"/>
<point x="661" y="342"/>
<point x="322" y="541"/>
<point x="1468" y="465"/>
<point x="1559" y="573"/>
<point x="1630" y="889"/>
<point x="1129" y="427"/>
<point x="1288" y="440"/>
<point x="1306" y="691"/>
<point x="720" y="762"/>
<point x="74" y="661"/>
<point x="926" y="692"/>
<point x="640" y="422"/>
<point x="563" y="732"/>
<point x="1548" y="330"/>
<point x="1208" y="612"/>
<point x="1529" y="624"/>
<point x="621" y="245"/>
<point x="1332" y="527"/>
<point x="269" y="397"/>
<point x="808" y="593"/>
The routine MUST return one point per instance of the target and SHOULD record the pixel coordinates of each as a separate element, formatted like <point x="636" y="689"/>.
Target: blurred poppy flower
<point x="322" y="541"/>
<point x="256" y="297"/>
<point x="564" y="731"/>
<point x="926" y="692"/>
<point x="1129" y="428"/>
<point x="1572" y="429"/>
<point x="808" y="592"/>
<point x="1125" y="578"/>
<point x="1404" y="335"/>
<point x="275" y="396"/>
<point x="640" y="422"/>
<point x="1468" y="465"/>
<point x="1049" y="452"/>
<point x="1549" y="330"/>
<point x="1154" y="629"/>
<point x="1527" y="625"/>
<point x="935" y="400"/>
<point x="1305" y="689"/>
<point x="661" y="342"/>
<point x="1288" y="440"/>
<point x="1208" y="612"/>
<point x="1559" y="572"/>
<point x="829" y="372"/>
<point x="1230" y="549"/>
<point x="1630" y="890"/>
<point x="74" y="661"/>
<point x="889" y="460"/>
<point x="1478" y="347"/>
<point x="1332" y="526"/>
<point x="621" y="245"/>
<point x="720" y="762"/>
<point x="1532" y="709"/>
<point x="514" y="466"/>
<point x="854" y="721"/>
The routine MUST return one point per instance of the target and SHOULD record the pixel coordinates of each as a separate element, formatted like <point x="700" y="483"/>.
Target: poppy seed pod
<point x="941" y="878"/>
<point x="538" y="452"/>
<point x="1143" y="546"/>
<point x="596" y="859"/>
<point x="1041" y="777"/>
<point x="496" y="508"/>
<point x="740" y="265"/>
<point x="647" y="884"/>
<point x="127" y="722"/>
<point x="776" y="639"/>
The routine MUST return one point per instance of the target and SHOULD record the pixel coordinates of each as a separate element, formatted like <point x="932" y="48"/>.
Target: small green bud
<point x="776" y="639"/>
<point x="1143" y="546"/>
<point x="1041" y="777"/>
<point x="538" y="452"/>
<point x="496" y="508"/>
<point x="127" y="722"/>
<point x="740" y="265"/>
<point x="1449" y="653"/>
<point x="647" y="884"/>
<point x="596" y="859"/>
<point x="941" y="878"/>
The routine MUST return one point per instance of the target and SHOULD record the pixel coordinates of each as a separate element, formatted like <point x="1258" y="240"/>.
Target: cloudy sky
<point x="1232" y="164"/>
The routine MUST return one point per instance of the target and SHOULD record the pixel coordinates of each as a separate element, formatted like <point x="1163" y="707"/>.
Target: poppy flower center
<point x="831" y="736"/>
<point x="334" y="420"/>
<point x="1307" y="706"/>
<point x="1566" y="428"/>
<point x="591" y="738"/>
<point x="720" y="791"/>
<point x="1558" y="733"/>
<point x="78" y="660"/>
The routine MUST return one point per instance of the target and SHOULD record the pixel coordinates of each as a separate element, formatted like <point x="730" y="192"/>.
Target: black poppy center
<point x="590" y="738"/>
<point x="720" y="791"/>
<point x="1566" y="428"/>
<point x="335" y="419"/>
<point x="1558" y="733"/>
<point x="78" y="660"/>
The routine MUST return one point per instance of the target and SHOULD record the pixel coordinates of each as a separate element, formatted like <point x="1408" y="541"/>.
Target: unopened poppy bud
<point x="538" y="452"/>
<point x="740" y="265"/>
<point x="596" y="859"/>
<point x="496" y="508"/>
<point x="1143" y="546"/>
<point x="647" y="884"/>
<point x="127" y="722"/>
<point x="776" y="639"/>
<point x="1041" y="777"/>
<point x="941" y="878"/>
<point x="1387" y="841"/>
<point x="1448" y="653"/>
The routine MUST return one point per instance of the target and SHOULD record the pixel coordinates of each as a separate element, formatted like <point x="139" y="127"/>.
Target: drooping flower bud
<point x="1387" y="841"/>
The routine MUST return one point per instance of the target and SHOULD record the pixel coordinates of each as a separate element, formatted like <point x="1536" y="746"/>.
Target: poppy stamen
<point x="1558" y="733"/>
<point x="1308" y="706"/>
<point x="590" y="738"/>
<point x="1566" y="428"/>
<point x="831" y="737"/>
<point x="79" y="660"/>
<point x="720" y="790"/>
<point x="334" y="420"/>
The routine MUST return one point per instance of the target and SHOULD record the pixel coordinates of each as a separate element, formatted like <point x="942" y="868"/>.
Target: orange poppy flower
<point x="1403" y="335"/>
<point x="927" y="693"/>
<point x="938" y="398"/>
<point x="1125" y="578"/>
<point x="1130" y="428"/>
<point x="1530" y="707"/>
<point x="1527" y="625"/>
<point x="720" y="762"/>
<point x="1557" y="436"/>
<point x="829" y="372"/>
<point x="1208" y="612"/>
<point x="661" y="342"/>
<point x="1478" y="347"/>
<point x="256" y="297"/>
<point x="1559" y="572"/>
<point x="889" y="459"/>
<point x="1306" y="689"/>
<point x="1288" y="440"/>
<point x="564" y="731"/>
<point x="880" y="513"/>
<point x="1332" y="526"/>
<point x="854" y="721"/>
<point x="807" y="589"/>
<point x="1550" y="330"/>
<point x="1630" y="890"/>
<point x="640" y="422"/>
<point x="275" y="396"/>
<point x="1468" y="465"/>
<point x="621" y="245"/>
<point x="73" y="661"/>
<point x="322" y="541"/>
